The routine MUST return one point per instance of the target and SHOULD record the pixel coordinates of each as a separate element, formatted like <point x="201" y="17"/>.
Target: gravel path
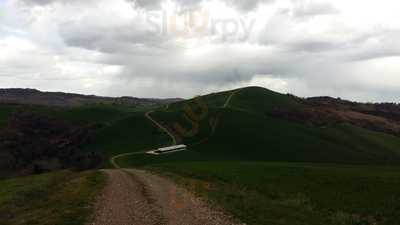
<point x="135" y="197"/>
<point x="124" y="201"/>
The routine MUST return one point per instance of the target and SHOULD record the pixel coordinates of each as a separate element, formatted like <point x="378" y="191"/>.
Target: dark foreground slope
<point x="61" y="198"/>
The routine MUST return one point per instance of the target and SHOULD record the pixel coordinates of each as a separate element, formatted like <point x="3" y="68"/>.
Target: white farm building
<point x="170" y="149"/>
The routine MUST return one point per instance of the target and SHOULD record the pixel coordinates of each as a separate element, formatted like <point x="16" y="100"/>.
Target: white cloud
<point x="342" y="48"/>
<point x="270" y="82"/>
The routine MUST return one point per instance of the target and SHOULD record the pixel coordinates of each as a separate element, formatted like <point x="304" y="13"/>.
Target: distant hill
<point x="247" y="124"/>
<point x="262" y="125"/>
<point x="36" y="97"/>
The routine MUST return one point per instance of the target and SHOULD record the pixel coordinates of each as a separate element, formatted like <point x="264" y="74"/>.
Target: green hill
<point x="230" y="125"/>
<point x="268" y="170"/>
<point x="261" y="100"/>
<point x="245" y="130"/>
<point x="130" y="134"/>
<point x="252" y="151"/>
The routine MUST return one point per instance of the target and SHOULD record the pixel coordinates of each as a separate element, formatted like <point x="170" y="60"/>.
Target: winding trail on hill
<point x="229" y="99"/>
<point x="113" y="160"/>
<point x="136" y="197"/>
<point x="148" y="116"/>
<point x="226" y="105"/>
<point x="173" y="138"/>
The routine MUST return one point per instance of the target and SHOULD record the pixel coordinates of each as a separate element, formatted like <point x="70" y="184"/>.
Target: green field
<point x="261" y="169"/>
<point x="120" y="128"/>
<point x="333" y="175"/>
<point x="62" y="198"/>
<point x="245" y="131"/>
<point x="242" y="131"/>
<point x="130" y="134"/>
<point x="294" y="194"/>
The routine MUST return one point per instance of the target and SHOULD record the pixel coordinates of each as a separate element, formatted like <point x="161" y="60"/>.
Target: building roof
<point x="172" y="147"/>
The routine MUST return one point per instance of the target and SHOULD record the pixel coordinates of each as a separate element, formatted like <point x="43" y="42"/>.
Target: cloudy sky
<point x="181" y="48"/>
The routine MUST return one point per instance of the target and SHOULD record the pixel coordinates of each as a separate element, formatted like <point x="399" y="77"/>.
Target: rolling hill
<point x="269" y="158"/>
<point x="36" y="97"/>
<point x="260" y="125"/>
<point x="252" y="124"/>
<point x="264" y="157"/>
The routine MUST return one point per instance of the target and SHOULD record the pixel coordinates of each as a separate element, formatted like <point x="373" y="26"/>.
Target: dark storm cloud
<point x="310" y="9"/>
<point x="247" y="5"/>
<point x="109" y="39"/>
<point x="190" y="4"/>
<point x="40" y="2"/>
<point x="111" y="48"/>
<point x="314" y="46"/>
<point x="148" y="4"/>
<point x="156" y="4"/>
<point x="47" y="2"/>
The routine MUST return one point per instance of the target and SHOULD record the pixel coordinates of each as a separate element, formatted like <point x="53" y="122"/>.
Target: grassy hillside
<point x="122" y="128"/>
<point x="233" y="147"/>
<point x="244" y="130"/>
<point x="62" y="198"/>
<point x="93" y="113"/>
<point x="258" y="137"/>
<point x="260" y="168"/>
<point x="261" y="100"/>
<point x="213" y="100"/>
<point x="295" y="194"/>
<point x="130" y="134"/>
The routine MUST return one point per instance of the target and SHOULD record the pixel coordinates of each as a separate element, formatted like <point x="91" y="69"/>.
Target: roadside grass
<point x="260" y="193"/>
<point x="62" y="198"/>
<point x="143" y="160"/>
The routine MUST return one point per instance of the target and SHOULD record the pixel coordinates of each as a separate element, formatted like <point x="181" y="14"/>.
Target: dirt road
<point x="124" y="202"/>
<point x="134" y="197"/>
<point x="113" y="160"/>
